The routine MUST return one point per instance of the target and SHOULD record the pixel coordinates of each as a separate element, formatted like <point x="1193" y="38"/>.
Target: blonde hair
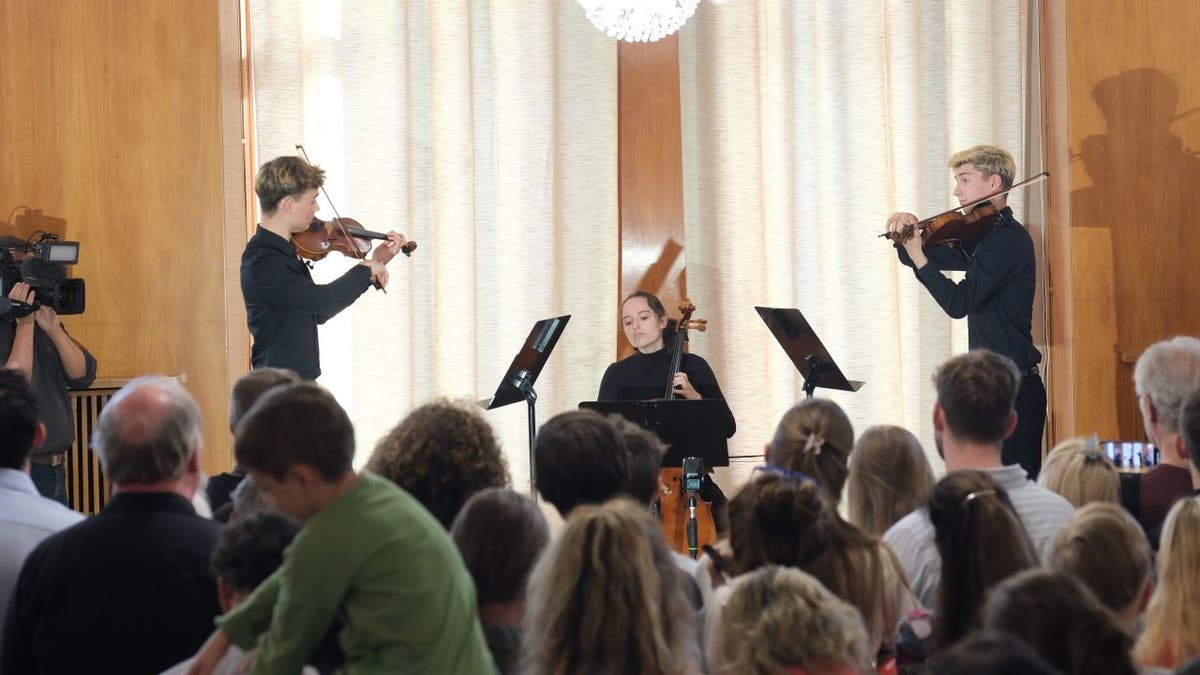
<point x="1172" y="633"/>
<point x="780" y="617"/>
<point x="606" y="597"/>
<point x="889" y="478"/>
<point x="1078" y="470"/>
<point x="1106" y="548"/>
<point x="286" y="176"/>
<point x="815" y="437"/>
<point x="989" y="160"/>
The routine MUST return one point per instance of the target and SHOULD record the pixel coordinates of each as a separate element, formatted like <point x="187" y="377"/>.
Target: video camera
<point x="41" y="265"/>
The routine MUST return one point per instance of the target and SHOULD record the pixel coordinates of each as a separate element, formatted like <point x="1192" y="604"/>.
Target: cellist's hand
<point x="684" y="388"/>
<point x="387" y="249"/>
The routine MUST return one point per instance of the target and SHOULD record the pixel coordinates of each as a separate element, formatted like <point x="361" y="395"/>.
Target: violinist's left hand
<point x="684" y="388"/>
<point x="386" y="250"/>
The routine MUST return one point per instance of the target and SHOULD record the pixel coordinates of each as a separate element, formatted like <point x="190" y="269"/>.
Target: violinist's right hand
<point x="899" y="222"/>
<point x="379" y="273"/>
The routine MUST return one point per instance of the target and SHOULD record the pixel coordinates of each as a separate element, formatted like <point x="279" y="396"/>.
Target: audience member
<point x="1172" y="633"/>
<point x="781" y="519"/>
<point x="1105" y="548"/>
<point x="990" y="653"/>
<point x="579" y="458"/>
<point x="26" y="518"/>
<point x="971" y="418"/>
<point x="1060" y="618"/>
<point x="441" y="453"/>
<point x="1163" y="377"/>
<point x="1189" y="430"/>
<point x="815" y="438"/>
<point x="981" y="542"/>
<point x="1078" y="470"/>
<point x="890" y="477"/>
<point x="607" y="598"/>
<point x="500" y="535"/>
<point x="247" y="501"/>
<point x="246" y="391"/>
<point x="247" y="552"/>
<point x="367" y="554"/>
<point x="778" y="620"/>
<point x="130" y="585"/>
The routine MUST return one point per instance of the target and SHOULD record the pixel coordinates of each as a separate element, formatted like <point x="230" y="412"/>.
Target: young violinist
<point x="996" y="294"/>
<point x="643" y="375"/>
<point x="283" y="303"/>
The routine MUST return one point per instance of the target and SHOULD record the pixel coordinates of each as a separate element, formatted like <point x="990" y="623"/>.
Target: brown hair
<point x="286" y="176"/>
<point x="606" y="597"/>
<point x="579" y="458"/>
<point x="815" y="437"/>
<point x="1079" y="471"/>
<point x="982" y="542"/>
<point x="442" y="453"/>
<point x="294" y="424"/>
<point x="500" y="535"/>
<point x="756" y="631"/>
<point x="252" y="385"/>
<point x="643" y="461"/>
<point x="976" y="392"/>
<point x="889" y="478"/>
<point x="989" y="160"/>
<point x="1106" y="548"/>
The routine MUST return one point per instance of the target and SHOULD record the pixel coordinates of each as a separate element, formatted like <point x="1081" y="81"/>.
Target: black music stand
<point x="517" y="383"/>
<point x="804" y="348"/>
<point x="692" y="428"/>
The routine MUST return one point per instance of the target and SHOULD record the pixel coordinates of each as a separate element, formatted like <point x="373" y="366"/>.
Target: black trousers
<point x="1024" y="447"/>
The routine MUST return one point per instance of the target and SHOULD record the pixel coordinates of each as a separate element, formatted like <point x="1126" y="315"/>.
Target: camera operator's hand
<point x="21" y="292"/>
<point x="47" y="320"/>
<point x="386" y="250"/>
<point x="379" y="273"/>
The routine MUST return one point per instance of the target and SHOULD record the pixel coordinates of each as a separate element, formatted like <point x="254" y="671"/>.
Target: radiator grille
<point x="87" y="487"/>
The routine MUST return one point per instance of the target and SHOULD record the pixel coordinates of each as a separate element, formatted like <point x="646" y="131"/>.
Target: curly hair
<point x="442" y="453"/>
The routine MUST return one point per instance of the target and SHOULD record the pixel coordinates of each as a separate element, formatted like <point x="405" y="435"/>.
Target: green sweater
<point x="379" y="563"/>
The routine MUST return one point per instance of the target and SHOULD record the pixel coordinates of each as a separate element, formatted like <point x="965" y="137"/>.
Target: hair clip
<point x="798" y="476"/>
<point x="1091" y="449"/>
<point x="813" y="444"/>
<point x="976" y="494"/>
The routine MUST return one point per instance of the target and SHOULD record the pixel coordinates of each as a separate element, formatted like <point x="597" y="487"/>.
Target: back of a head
<point x="778" y="618"/>
<point x="1106" y="549"/>
<point x="1058" y="616"/>
<point x="578" y="459"/>
<point x="990" y="653"/>
<point x="1078" y="470"/>
<point x="442" y="453"/>
<point x="1167" y="373"/>
<point x="1172" y="627"/>
<point x="251" y="386"/>
<point x="1189" y="426"/>
<point x="18" y="419"/>
<point x="889" y="478"/>
<point x="976" y="392"/>
<point x="296" y="424"/>
<point x="147" y="431"/>
<point x="643" y="460"/>
<point x="778" y="519"/>
<point x="982" y="542"/>
<point x="500" y="535"/>
<point x="247" y="499"/>
<point x="606" y="597"/>
<point x="251" y="549"/>
<point x="815" y="437"/>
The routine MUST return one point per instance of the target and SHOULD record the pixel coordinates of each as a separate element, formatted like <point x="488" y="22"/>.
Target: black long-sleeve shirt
<point x="284" y="305"/>
<point x="996" y="295"/>
<point x="642" y="377"/>
<point x="50" y="383"/>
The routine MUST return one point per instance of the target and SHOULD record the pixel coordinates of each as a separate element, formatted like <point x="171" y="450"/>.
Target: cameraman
<point x="39" y="347"/>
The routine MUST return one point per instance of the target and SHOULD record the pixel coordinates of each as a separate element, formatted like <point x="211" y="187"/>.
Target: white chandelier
<point x="638" y="20"/>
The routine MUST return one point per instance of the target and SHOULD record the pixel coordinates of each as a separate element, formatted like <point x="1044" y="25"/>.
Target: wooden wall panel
<point x="112" y="126"/>
<point x="650" y="173"/>
<point x="1127" y="106"/>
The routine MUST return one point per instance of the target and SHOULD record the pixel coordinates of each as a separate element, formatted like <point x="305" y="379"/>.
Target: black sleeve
<point x="995" y="262"/>
<point x="701" y="376"/>
<point x="609" y="384"/>
<point x="16" y="644"/>
<point x="273" y="283"/>
<point x="941" y="257"/>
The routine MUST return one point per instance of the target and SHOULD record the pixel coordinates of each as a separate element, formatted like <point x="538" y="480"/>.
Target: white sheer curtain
<point x="805" y="125"/>
<point x="486" y="131"/>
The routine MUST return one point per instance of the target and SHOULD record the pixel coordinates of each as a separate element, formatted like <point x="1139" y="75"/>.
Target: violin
<point x="967" y="224"/>
<point x="351" y="239"/>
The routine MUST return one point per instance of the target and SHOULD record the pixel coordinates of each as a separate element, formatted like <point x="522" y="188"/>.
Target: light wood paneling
<point x="112" y="120"/>
<point x="650" y="173"/>
<point x="1123" y="92"/>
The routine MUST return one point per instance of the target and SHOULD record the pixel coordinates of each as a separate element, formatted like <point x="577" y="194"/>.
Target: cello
<point x="681" y="509"/>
